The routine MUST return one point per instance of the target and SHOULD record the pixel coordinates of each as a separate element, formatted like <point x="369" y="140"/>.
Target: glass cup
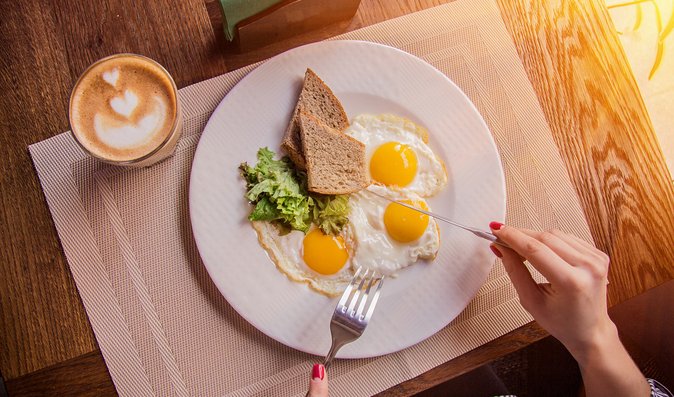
<point x="124" y="110"/>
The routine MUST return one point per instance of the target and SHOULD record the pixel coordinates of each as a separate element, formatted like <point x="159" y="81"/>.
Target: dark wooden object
<point x="570" y="52"/>
<point x="290" y="18"/>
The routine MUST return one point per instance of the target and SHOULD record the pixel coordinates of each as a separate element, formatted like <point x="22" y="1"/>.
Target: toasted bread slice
<point x="335" y="161"/>
<point x="317" y="99"/>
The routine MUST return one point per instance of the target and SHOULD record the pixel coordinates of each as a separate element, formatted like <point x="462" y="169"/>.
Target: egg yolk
<point x="403" y="224"/>
<point x="393" y="163"/>
<point x="324" y="253"/>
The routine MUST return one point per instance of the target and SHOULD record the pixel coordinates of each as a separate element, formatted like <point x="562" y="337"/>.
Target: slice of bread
<point x="317" y="99"/>
<point x="335" y="161"/>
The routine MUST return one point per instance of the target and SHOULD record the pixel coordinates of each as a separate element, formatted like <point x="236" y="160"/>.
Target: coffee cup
<point x="124" y="111"/>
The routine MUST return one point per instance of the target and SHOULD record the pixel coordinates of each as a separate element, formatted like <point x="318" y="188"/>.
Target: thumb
<point x="526" y="287"/>
<point x="318" y="385"/>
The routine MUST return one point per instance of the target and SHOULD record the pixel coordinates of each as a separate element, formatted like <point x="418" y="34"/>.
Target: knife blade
<point x="479" y="233"/>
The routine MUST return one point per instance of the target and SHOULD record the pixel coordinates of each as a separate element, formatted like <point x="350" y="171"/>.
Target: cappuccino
<point x="124" y="110"/>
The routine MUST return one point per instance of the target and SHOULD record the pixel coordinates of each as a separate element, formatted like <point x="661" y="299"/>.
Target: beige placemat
<point x="161" y="324"/>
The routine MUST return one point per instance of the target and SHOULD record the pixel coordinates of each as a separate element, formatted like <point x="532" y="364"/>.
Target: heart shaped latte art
<point x="116" y="134"/>
<point x="111" y="76"/>
<point x="124" y="105"/>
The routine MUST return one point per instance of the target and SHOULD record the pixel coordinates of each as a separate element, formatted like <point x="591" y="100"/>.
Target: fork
<point x="354" y="310"/>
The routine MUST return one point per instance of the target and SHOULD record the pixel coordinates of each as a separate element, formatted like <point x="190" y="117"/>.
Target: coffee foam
<point x="123" y="108"/>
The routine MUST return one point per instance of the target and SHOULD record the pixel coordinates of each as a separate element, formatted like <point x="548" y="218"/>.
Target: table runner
<point x="162" y="326"/>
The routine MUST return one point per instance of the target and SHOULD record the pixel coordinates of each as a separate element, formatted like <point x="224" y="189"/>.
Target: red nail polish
<point x="495" y="225"/>
<point x="318" y="372"/>
<point x="496" y="251"/>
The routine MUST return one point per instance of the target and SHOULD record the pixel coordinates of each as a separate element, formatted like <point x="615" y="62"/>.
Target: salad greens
<point x="279" y="193"/>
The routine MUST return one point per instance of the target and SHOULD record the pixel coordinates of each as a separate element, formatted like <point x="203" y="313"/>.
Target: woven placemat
<point x="161" y="324"/>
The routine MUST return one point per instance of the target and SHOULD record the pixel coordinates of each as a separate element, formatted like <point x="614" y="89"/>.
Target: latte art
<point x="124" y="105"/>
<point x="123" y="108"/>
<point x="111" y="76"/>
<point x="128" y="134"/>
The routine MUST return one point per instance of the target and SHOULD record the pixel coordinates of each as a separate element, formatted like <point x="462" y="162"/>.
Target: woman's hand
<point x="318" y="385"/>
<point x="572" y="305"/>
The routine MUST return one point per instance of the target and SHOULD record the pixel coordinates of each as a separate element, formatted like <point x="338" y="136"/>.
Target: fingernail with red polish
<point x="496" y="251"/>
<point x="318" y="372"/>
<point x="495" y="225"/>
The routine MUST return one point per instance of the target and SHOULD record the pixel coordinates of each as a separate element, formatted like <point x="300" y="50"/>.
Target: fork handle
<point x="331" y="355"/>
<point x="333" y="351"/>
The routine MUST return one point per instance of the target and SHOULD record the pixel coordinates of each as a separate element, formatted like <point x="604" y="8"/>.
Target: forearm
<point x="608" y="370"/>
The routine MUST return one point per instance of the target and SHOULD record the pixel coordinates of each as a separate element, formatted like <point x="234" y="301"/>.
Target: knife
<point x="479" y="233"/>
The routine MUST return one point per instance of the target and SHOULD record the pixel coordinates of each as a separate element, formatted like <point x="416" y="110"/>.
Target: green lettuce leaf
<point x="279" y="193"/>
<point x="331" y="213"/>
<point x="264" y="211"/>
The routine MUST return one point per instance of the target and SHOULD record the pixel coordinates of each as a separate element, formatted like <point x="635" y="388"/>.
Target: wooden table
<point x="570" y="52"/>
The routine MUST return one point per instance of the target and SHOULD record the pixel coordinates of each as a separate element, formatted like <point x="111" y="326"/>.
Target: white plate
<point x="367" y="78"/>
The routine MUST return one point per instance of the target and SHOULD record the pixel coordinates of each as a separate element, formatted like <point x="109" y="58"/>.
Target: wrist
<point x="606" y="366"/>
<point x="601" y="343"/>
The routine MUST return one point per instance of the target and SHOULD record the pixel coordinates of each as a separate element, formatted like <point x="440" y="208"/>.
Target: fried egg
<point x="398" y="154"/>
<point x="322" y="261"/>
<point x="387" y="237"/>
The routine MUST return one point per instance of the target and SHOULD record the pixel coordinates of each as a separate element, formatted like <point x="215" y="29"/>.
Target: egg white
<point x="376" y="130"/>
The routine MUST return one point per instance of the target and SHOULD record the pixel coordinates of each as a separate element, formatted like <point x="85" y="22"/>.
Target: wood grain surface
<point x="590" y="99"/>
<point x="570" y="52"/>
<point x="45" y="46"/>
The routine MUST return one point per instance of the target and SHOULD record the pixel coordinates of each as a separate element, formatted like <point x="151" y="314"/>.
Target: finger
<point x="318" y="385"/>
<point x="573" y="241"/>
<point x="589" y="257"/>
<point x="596" y="260"/>
<point x="542" y="257"/>
<point x="591" y="249"/>
<point x="583" y="242"/>
<point x="573" y="250"/>
<point x="573" y="254"/>
<point x="582" y="246"/>
<point x="570" y="239"/>
<point x="524" y="284"/>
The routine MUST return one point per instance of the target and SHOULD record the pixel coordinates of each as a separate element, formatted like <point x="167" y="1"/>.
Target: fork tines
<point x="359" y="300"/>
<point x="354" y="310"/>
